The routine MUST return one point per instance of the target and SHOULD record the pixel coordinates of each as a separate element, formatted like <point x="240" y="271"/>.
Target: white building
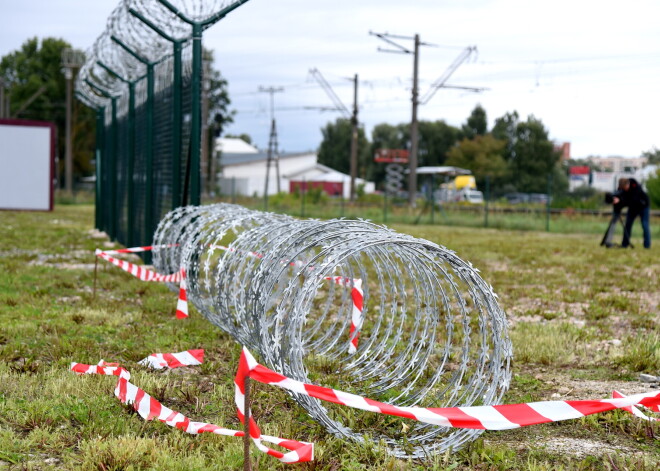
<point x="628" y="165"/>
<point x="244" y="171"/>
<point x="333" y="182"/>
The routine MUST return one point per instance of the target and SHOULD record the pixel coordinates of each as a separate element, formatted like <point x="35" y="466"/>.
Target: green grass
<point x="568" y="300"/>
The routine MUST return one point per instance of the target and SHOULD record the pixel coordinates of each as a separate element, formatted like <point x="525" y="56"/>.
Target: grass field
<point x="583" y="321"/>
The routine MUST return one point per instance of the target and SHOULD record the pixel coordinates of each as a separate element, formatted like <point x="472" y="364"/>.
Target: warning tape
<point x="144" y="274"/>
<point x="357" y="297"/>
<point x="357" y="293"/>
<point x="159" y="361"/>
<point x="500" y="417"/>
<point x="149" y="409"/>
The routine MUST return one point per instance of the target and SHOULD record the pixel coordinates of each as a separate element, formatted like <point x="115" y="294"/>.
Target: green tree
<point x="477" y="123"/>
<point x="530" y="154"/>
<point x="218" y="98"/>
<point x="37" y="90"/>
<point x="483" y="155"/>
<point x="335" y="149"/>
<point x="435" y="140"/>
<point x="385" y="136"/>
<point x="653" y="188"/>
<point x="244" y="137"/>
<point x="505" y="129"/>
<point x="653" y="155"/>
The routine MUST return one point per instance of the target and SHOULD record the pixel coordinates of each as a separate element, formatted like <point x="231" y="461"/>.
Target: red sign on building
<point x="579" y="170"/>
<point x="392" y="156"/>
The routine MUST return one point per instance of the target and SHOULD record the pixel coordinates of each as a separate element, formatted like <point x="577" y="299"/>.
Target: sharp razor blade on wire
<point x="301" y="292"/>
<point x="433" y="341"/>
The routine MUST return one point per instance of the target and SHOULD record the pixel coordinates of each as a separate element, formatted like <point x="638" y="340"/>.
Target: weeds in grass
<point x="46" y="413"/>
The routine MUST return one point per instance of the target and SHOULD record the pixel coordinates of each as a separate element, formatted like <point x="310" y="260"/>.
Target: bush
<point x="653" y="188"/>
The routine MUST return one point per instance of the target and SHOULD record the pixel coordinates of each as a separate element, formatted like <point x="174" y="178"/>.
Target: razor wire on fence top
<point x="302" y="292"/>
<point x="143" y="76"/>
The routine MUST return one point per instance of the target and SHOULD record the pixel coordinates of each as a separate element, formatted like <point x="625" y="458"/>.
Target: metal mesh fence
<point x="143" y="76"/>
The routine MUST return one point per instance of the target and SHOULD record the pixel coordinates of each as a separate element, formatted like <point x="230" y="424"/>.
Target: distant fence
<point x="516" y="217"/>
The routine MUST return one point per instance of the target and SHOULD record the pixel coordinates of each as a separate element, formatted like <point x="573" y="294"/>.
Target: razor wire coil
<point x="433" y="334"/>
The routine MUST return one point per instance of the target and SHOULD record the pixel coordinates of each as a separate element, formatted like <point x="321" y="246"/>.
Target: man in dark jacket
<point x="638" y="204"/>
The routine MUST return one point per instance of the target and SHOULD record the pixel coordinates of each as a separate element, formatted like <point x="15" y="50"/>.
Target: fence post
<point x="178" y="125"/>
<point x="547" y="204"/>
<point x="100" y="143"/>
<point x="112" y="170"/>
<point x="302" y="197"/>
<point x="196" y="111"/>
<point x="486" y="202"/>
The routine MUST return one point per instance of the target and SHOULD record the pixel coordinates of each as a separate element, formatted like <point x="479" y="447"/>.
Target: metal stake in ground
<point x="247" y="466"/>
<point x="96" y="265"/>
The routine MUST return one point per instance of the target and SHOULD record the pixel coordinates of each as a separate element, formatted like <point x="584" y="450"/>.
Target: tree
<point x="505" y="129"/>
<point x="476" y="125"/>
<point x="435" y="140"/>
<point x="653" y="188"/>
<point x="218" y="98"/>
<point x="530" y="155"/>
<point x="335" y="149"/>
<point x="385" y="136"/>
<point x="36" y="88"/>
<point x="653" y="155"/>
<point x="483" y="155"/>
<point x="244" y="137"/>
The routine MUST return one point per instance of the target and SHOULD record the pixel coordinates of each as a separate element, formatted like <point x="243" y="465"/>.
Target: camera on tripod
<point x="609" y="197"/>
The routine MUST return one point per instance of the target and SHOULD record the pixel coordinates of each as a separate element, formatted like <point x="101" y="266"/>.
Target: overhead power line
<point x="339" y="105"/>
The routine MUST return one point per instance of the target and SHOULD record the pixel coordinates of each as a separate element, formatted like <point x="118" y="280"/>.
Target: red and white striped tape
<point x="357" y="298"/>
<point x="638" y="413"/>
<point x="298" y="454"/>
<point x="159" y="361"/>
<point x="500" y="417"/>
<point x="145" y="274"/>
<point x="150" y="408"/>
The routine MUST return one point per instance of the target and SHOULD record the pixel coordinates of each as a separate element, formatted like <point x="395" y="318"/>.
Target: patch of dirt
<point x="564" y="387"/>
<point x="582" y="447"/>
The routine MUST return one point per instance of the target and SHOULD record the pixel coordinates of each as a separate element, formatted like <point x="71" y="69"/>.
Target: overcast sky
<point x="588" y="69"/>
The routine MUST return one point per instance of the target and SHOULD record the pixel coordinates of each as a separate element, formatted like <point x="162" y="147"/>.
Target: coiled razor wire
<point x="433" y="333"/>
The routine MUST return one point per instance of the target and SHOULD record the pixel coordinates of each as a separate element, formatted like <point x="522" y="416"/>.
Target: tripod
<point x="609" y="233"/>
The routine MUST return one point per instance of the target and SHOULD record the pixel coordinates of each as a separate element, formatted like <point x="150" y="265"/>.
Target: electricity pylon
<point x="272" y="155"/>
<point x="353" y="117"/>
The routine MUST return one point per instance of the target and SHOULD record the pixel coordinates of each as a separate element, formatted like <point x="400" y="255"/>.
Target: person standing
<point x="638" y="204"/>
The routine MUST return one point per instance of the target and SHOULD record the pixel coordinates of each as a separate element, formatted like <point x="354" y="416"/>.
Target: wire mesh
<point x="139" y="46"/>
<point x="433" y="334"/>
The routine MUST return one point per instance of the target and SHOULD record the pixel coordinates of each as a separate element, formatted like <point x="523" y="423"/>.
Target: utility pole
<point x="354" y="139"/>
<point x="71" y="60"/>
<point x="412" y="177"/>
<point x="339" y="106"/>
<point x="414" y="129"/>
<point x="439" y="83"/>
<point x="272" y="156"/>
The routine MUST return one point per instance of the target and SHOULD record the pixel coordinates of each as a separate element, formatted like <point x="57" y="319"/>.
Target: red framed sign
<point x="392" y="156"/>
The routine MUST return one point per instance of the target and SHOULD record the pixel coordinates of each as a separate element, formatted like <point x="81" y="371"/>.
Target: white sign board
<point x="27" y="162"/>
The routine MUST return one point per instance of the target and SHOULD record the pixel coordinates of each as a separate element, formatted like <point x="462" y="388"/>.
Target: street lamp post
<point x="71" y="59"/>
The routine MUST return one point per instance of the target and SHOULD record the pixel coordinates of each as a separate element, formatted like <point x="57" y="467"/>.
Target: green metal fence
<point x="143" y="76"/>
